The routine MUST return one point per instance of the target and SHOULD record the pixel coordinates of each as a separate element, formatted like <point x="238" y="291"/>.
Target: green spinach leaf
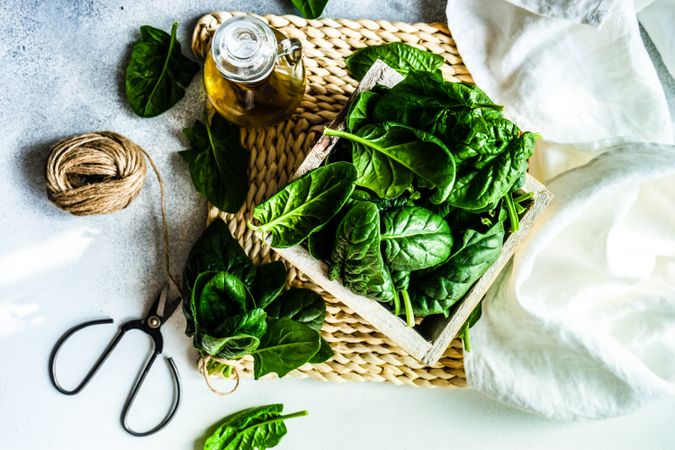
<point x="414" y="239"/>
<point x="302" y="305"/>
<point x="424" y="100"/>
<point x="324" y="354"/>
<point x="305" y="205"/>
<point x="270" y="280"/>
<point x="461" y="115"/>
<point x="310" y="9"/>
<point x="218" y="163"/>
<point x="357" y="257"/>
<point x="158" y="73"/>
<point x="436" y="290"/>
<point x="484" y="180"/>
<point x="226" y="322"/>
<point x="286" y="345"/>
<point x="386" y="157"/>
<point x="401" y="57"/>
<point x="217" y="251"/>
<point x="361" y="110"/>
<point x="251" y="429"/>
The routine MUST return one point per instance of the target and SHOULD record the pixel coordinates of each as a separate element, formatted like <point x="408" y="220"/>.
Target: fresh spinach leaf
<point x="158" y="73"/>
<point x="270" y="280"/>
<point x="483" y="181"/>
<point x="357" y="257"/>
<point x="226" y="322"/>
<point x="414" y="239"/>
<point x="286" y="345"/>
<point x="236" y="337"/>
<point x="302" y="305"/>
<point x="424" y="100"/>
<point x="305" y="205"/>
<point x="401" y="279"/>
<point x="218" y="163"/>
<point x="386" y="157"/>
<point x="217" y="251"/>
<point x="401" y="57"/>
<point x="311" y="9"/>
<point x="436" y="290"/>
<point x="360" y="110"/>
<point x="251" y="429"/>
<point x="324" y="354"/>
<point x="459" y="114"/>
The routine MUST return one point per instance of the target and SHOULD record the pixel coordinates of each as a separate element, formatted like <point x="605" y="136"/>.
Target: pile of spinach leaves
<point x="428" y="188"/>
<point x="234" y="308"/>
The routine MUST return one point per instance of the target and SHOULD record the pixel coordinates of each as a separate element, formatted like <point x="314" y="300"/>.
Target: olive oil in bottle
<point x="254" y="76"/>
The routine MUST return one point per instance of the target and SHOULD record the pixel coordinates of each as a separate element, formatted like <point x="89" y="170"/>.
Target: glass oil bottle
<point x="254" y="75"/>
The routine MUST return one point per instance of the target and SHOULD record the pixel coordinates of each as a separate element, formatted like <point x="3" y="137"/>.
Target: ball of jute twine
<point x="95" y="173"/>
<point x="103" y="172"/>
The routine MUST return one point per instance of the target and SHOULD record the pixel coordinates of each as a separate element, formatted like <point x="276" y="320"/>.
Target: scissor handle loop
<point x="55" y="351"/>
<point x="136" y="387"/>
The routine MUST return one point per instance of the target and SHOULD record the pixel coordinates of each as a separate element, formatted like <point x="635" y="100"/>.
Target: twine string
<point x="202" y="366"/>
<point x="100" y="173"/>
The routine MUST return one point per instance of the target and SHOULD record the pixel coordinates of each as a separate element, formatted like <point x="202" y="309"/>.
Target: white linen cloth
<point x="582" y="324"/>
<point x="658" y="18"/>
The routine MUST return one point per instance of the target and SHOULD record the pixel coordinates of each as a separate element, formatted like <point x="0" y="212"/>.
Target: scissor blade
<point x="166" y="304"/>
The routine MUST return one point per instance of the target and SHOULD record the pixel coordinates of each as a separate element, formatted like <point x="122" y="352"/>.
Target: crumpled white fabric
<point x="582" y="323"/>
<point x="591" y="12"/>
<point x="658" y="18"/>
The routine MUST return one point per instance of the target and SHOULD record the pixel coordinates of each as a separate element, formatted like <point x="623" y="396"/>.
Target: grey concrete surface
<point x="61" y="72"/>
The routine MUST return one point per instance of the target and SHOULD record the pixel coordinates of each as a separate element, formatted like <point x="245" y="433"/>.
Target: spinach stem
<point x="465" y="338"/>
<point x="513" y="214"/>
<point x="293" y="415"/>
<point x="409" y="314"/>
<point x="276" y="419"/>
<point x="397" y="303"/>
<point x="524" y="197"/>
<point x="349" y="136"/>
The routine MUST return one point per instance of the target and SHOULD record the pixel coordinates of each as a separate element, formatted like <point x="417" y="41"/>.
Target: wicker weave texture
<point x="361" y="352"/>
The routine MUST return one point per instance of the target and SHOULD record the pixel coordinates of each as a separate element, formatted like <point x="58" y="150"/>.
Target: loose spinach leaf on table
<point x="286" y="345"/>
<point x="388" y="155"/>
<point x="310" y="9"/>
<point x="158" y="73"/>
<point x="302" y="305"/>
<point x="413" y="238"/>
<point x="401" y="57"/>
<point x="218" y="163"/>
<point x="226" y="322"/>
<point x="305" y="205"/>
<point x="357" y="257"/>
<point x="436" y="290"/>
<point x="251" y="429"/>
<point x="270" y="280"/>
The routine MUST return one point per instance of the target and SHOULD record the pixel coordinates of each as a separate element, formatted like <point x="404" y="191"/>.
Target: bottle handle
<point x="291" y="50"/>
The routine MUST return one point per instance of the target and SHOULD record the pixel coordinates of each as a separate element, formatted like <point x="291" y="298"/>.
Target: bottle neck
<point x="244" y="50"/>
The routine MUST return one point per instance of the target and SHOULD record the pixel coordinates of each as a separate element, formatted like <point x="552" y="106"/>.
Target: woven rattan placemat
<point x="361" y="352"/>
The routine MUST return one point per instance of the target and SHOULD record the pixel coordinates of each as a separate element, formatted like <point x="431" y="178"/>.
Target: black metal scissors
<point x="159" y="312"/>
